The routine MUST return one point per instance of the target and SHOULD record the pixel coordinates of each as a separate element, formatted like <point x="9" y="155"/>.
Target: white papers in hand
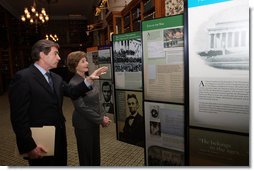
<point x="45" y="138"/>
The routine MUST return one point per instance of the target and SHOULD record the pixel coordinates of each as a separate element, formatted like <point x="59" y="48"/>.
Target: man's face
<point x="52" y="58"/>
<point x="133" y="105"/>
<point x="106" y="90"/>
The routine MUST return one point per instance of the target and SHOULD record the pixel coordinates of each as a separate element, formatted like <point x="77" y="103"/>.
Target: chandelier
<point x="34" y="16"/>
<point x="51" y="37"/>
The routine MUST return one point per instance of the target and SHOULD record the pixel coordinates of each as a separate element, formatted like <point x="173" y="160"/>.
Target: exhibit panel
<point x="218" y="46"/>
<point x="163" y="78"/>
<point x="163" y="59"/>
<point x="217" y="82"/>
<point x="127" y="55"/>
<point x="164" y="128"/>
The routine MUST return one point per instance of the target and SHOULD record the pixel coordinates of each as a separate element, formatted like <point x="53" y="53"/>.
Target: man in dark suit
<point x="36" y="98"/>
<point x="107" y="93"/>
<point x="133" y="131"/>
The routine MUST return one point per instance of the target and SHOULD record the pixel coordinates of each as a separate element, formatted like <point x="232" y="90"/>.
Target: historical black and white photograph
<point x="104" y="55"/>
<point x="128" y="55"/>
<point x="107" y="88"/>
<point x="104" y="59"/>
<point x="225" y="40"/>
<point x="155" y="128"/>
<point x="173" y="37"/>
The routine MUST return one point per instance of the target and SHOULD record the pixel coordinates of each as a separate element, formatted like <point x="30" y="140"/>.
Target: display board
<point x="164" y="90"/>
<point x="163" y="59"/>
<point x="127" y="55"/>
<point x="218" y="56"/>
<point x="164" y="127"/>
<point x="209" y="148"/>
<point x="130" y="119"/>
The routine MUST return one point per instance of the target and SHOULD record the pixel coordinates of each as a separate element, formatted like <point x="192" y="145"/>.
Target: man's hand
<point x="96" y="74"/>
<point x="36" y="153"/>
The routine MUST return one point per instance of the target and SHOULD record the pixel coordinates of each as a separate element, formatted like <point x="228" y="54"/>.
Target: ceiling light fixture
<point x="51" y="37"/>
<point x="34" y="16"/>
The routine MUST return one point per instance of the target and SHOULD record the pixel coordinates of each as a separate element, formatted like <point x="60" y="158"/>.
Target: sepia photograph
<point x="130" y="117"/>
<point x="173" y="37"/>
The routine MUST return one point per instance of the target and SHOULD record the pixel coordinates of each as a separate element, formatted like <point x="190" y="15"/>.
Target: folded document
<point x="45" y="138"/>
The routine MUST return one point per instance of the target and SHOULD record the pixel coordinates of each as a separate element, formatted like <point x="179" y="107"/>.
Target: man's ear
<point x="42" y="55"/>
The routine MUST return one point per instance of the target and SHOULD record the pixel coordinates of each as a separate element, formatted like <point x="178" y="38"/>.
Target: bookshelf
<point x="139" y="10"/>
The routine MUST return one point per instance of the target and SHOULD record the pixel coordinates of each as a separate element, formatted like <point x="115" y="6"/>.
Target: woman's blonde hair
<point x="73" y="59"/>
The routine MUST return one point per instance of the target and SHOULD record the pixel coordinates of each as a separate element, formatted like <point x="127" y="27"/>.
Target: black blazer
<point x="134" y="134"/>
<point x="33" y="104"/>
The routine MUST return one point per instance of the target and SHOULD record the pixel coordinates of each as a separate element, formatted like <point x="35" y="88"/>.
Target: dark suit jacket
<point x="134" y="134"/>
<point x="33" y="104"/>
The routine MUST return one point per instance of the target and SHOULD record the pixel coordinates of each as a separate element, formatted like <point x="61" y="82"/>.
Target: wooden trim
<point x="159" y="8"/>
<point x="131" y="24"/>
<point x="142" y="10"/>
